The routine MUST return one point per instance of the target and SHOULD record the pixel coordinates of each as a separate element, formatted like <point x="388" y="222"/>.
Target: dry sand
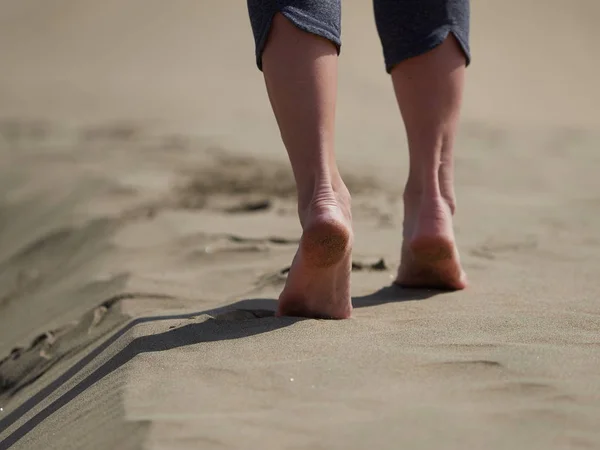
<point x="147" y="217"/>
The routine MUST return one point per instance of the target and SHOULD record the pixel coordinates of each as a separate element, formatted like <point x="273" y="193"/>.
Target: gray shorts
<point x="406" y="28"/>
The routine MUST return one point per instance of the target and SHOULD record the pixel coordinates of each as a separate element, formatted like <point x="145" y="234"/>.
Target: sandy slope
<point x="147" y="219"/>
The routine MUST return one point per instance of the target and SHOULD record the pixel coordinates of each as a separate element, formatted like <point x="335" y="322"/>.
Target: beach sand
<point x="147" y="219"/>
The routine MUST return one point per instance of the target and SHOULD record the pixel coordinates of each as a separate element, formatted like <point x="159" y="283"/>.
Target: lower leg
<point x="429" y="92"/>
<point x="300" y="72"/>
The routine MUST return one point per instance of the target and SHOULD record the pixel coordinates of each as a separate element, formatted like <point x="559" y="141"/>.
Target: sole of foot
<point x="430" y="256"/>
<point x="318" y="283"/>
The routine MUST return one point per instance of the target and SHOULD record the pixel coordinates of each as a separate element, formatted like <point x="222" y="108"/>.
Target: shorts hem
<point x="427" y="44"/>
<point x="305" y="23"/>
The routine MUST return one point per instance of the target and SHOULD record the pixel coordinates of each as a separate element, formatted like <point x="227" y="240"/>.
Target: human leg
<point x="425" y="45"/>
<point x="299" y="62"/>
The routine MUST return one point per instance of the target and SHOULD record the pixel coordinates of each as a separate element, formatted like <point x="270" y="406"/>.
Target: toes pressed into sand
<point x="318" y="283"/>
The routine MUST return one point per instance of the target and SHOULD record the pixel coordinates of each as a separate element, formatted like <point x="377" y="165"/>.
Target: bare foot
<point x="318" y="284"/>
<point x="429" y="254"/>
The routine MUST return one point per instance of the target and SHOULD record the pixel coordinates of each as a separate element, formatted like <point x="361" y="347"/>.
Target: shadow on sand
<point x="241" y="319"/>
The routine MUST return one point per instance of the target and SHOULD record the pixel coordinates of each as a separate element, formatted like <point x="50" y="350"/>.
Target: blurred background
<point x="188" y="66"/>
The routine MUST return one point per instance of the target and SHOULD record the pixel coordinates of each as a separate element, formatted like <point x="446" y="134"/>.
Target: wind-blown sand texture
<point x="148" y="217"/>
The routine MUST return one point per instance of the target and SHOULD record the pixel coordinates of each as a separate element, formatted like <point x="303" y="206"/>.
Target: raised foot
<point x="430" y="257"/>
<point x="318" y="283"/>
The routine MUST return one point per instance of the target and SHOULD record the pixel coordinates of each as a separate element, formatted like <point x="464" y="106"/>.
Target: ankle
<point x="451" y="202"/>
<point x="415" y="193"/>
<point x="322" y="193"/>
<point x="418" y="198"/>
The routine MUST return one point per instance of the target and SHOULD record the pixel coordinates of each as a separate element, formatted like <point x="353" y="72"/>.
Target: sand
<point x="147" y="220"/>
